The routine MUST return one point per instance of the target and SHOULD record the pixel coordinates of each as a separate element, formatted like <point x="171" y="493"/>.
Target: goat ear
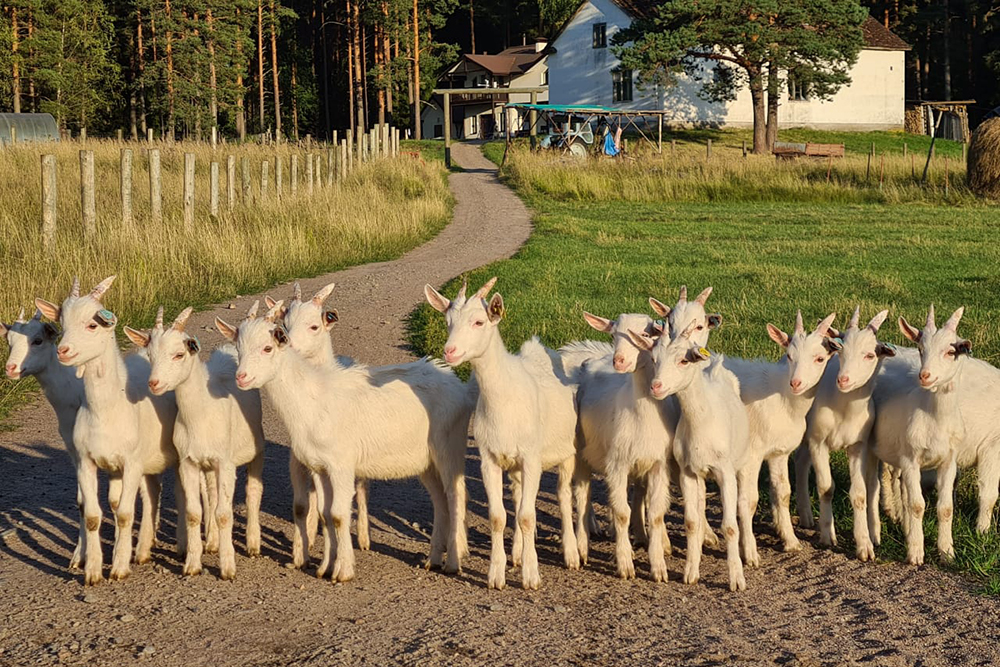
<point x="885" y="349"/>
<point x="660" y="308"/>
<point x="657" y="328"/>
<point x="714" y="320"/>
<point x="269" y="302"/>
<point x="227" y="330"/>
<point x="909" y="331"/>
<point x="280" y="336"/>
<point x="962" y="347"/>
<point x="824" y="324"/>
<point x="139" y="338"/>
<point x="495" y="310"/>
<point x="833" y="344"/>
<point x="193" y="345"/>
<point x="50" y="331"/>
<point x="832" y="332"/>
<point x="599" y="323"/>
<point x="49" y="310"/>
<point x="438" y="302"/>
<point x="331" y="316"/>
<point x="777" y="335"/>
<point x="641" y="341"/>
<point x="4" y="329"/>
<point x="106" y="318"/>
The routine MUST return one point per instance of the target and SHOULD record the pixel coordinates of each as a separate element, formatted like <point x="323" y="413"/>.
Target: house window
<point x="621" y="81"/>
<point x="600" y="35"/>
<point x="545" y="77"/>
<point x="474" y="126"/>
<point x="797" y="90"/>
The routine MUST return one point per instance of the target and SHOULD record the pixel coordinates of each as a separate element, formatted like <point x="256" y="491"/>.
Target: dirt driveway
<point x="811" y="608"/>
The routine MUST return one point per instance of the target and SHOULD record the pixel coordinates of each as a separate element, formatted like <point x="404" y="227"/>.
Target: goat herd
<point x="652" y="408"/>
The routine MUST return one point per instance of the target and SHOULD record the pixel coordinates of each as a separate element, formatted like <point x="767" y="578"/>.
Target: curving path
<point x="815" y="607"/>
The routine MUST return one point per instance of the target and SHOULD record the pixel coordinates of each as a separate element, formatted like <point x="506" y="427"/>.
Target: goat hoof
<point x="91" y="579"/>
<point x="794" y="545"/>
<point x="691" y="576"/>
<point x="737" y="583"/>
<point x="120" y="574"/>
<point x="865" y="552"/>
<point x="658" y="572"/>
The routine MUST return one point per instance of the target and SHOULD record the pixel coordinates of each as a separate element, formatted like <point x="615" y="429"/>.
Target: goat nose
<point x="656" y="385"/>
<point x="153" y="384"/>
<point x="924" y="375"/>
<point x="242" y="375"/>
<point x="843" y="379"/>
<point x="62" y="349"/>
<point x="796" y="383"/>
<point x="11" y="368"/>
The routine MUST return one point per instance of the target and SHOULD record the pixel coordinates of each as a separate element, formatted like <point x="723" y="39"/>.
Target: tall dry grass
<point x="381" y="209"/>
<point x="688" y="175"/>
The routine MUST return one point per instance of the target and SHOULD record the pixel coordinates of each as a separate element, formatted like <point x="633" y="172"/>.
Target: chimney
<point x="540" y="44"/>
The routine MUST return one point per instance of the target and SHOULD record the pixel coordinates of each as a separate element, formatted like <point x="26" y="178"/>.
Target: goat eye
<point x="268" y="349"/>
<point x="700" y="327"/>
<point x="178" y="357"/>
<point x="37" y="341"/>
<point x="684" y="362"/>
<point x="314" y="327"/>
<point x="478" y="323"/>
<point x="869" y="356"/>
<point x="950" y="353"/>
<point x="91" y="326"/>
<point x="820" y="360"/>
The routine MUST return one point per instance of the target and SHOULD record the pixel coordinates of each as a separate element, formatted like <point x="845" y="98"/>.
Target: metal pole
<point x="447" y="130"/>
<point x="533" y="120"/>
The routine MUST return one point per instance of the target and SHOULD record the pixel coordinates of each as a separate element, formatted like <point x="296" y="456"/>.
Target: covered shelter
<point x="18" y="127"/>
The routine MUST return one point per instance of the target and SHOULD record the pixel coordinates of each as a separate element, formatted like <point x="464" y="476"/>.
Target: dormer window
<point x="600" y="35"/>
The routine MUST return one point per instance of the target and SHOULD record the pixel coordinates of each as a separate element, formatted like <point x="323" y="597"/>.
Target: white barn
<point x="583" y="70"/>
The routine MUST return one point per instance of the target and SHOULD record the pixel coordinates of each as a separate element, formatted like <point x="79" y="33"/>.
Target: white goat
<point x="309" y="323"/>
<point x="920" y="426"/>
<point x="624" y="432"/>
<point x="686" y="312"/>
<point x="409" y="421"/>
<point x="711" y="439"/>
<point x="525" y="423"/>
<point x="119" y="427"/>
<point x="777" y="396"/>
<point x="33" y="354"/>
<point x="218" y="428"/>
<point x="841" y="419"/>
<point x="979" y="403"/>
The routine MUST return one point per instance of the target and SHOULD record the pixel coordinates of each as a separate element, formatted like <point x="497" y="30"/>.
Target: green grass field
<point x="607" y="251"/>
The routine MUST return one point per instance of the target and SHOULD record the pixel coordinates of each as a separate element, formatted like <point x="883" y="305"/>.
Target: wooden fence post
<point x="188" y="191"/>
<point x="295" y="175"/>
<point x="214" y="189"/>
<point x="342" y="163"/>
<point x="386" y="150"/>
<point x="745" y="149"/>
<point x="13" y="135"/>
<point x="279" y="176"/>
<point x="264" y="166"/>
<point x="83" y="135"/>
<point x="708" y="150"/>
<point x="215" y="137"/>
<point x="905" y="149"/>
<point x="350" y="150"/>
<point x="49" y="200"/>
<point x="230" y="182"/>
<point x="309" y="173"/>
<point x="673" y="147"/>
<point x="126" y="185"/>
<point x="247" y="180"/>
<point x="149" y="135"/>
<point x="88" y="206"/>
<point x="155" y="186"/>
<point x="318" y="172"/>
<point x="119" y="135"/>
<point x="331" y="161"/>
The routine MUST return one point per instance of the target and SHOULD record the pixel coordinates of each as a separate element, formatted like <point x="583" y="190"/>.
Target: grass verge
<point x="378" y="212"/>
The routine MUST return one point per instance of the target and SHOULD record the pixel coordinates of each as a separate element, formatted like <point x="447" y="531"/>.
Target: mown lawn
<point x="764" y="260"/>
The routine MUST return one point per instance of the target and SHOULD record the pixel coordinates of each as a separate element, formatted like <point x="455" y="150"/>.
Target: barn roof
<point x="515" y="60"/>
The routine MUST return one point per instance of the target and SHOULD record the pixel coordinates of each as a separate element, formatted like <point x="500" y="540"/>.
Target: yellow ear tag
<point x="704" y="352"/>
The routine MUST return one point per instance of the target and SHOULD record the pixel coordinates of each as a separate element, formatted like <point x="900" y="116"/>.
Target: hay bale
<point x="984" y="160"/>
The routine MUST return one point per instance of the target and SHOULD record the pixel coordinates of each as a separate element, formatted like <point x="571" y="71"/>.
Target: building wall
<point x="581" y="74"/>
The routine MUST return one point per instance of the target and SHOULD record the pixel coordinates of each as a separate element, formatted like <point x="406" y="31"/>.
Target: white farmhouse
<point x="477" y="117"/>
<point x="583" y="70"/>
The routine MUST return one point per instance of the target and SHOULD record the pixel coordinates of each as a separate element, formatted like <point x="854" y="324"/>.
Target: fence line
<point x="380" y="142"/>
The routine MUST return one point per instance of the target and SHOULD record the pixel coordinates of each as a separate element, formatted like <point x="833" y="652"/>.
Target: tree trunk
<point x="380" y="79"/>
<point x="241" y="118"/>
<point x="364" y="72"/>
<point x="392" y="71"/>
<point x="260" y="60"/>
<point x="274" y="68"/>
<point x="350" y="68"/>
<point x="31" y="58"/>
<point x="416" y="72"/>
<point x="140" y="56"/>
<point x="361" y="123"/>
<point x="15" y="65"/>
<point x="170" y="80"/>
<point x="946" y="51"/>
<point x="472" y="25"/>
<point x="759" y="120"/>
<point x="773" y="95"/>
<point x="213" y="105"/>
<point x="295" y="104"/>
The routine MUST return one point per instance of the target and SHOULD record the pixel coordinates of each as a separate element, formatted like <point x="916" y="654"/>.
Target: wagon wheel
<point x="577" y="148"/>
